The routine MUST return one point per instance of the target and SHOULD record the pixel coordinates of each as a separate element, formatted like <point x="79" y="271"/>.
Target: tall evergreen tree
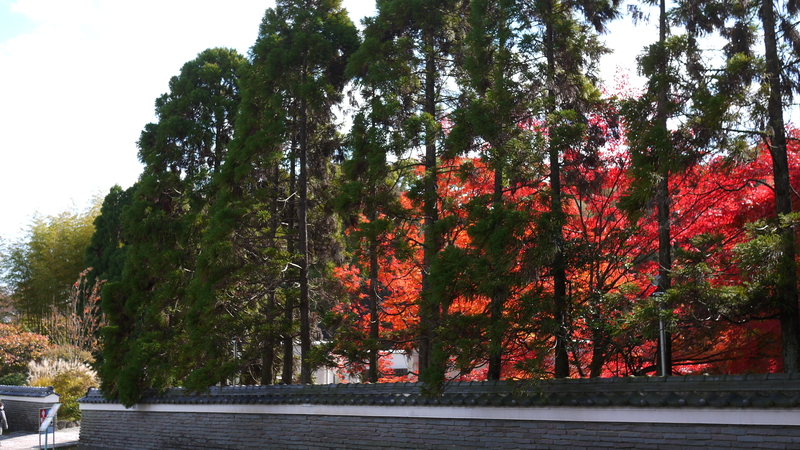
<point x="498" y="88"/>
<point x="569" y="47"/>
<point x="686" y="113"/>
<point x="652" y="150"/>
<point x="147" y="308"/>
<point x="369" y="199"/>
<point x="762" y="83"/>
<point x="782" y="80"/>
<point x="410" y="46"/>
<point x="260" y="245"/>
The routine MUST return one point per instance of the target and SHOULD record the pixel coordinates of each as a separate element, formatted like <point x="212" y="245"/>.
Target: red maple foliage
<point x="611" y="265"/>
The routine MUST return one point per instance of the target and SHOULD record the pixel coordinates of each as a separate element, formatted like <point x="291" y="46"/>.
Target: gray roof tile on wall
<point x="718" y="391"/>
<point x="26" y="391"/>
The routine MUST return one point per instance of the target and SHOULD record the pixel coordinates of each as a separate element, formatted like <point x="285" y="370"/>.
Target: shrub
<point x="68" y="352"/>
<point x="18" y="347"/>
<point x="71" y="379"/>
<point x="14" y="379"/>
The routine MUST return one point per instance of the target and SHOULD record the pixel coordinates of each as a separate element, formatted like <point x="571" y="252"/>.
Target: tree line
<point x="486" y="203"/>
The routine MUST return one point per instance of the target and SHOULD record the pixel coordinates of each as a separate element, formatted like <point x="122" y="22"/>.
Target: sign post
<point x="47" y="424"/>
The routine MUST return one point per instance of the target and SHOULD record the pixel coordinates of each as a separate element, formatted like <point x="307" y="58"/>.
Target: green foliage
<point x="40" y="268"/>
<point x="760" y="258"/>
<point x="161" y="227"/>
<point x="684" y="112"/>
<point x="645" y="316"/>
<point x="220" y="257"/>
<point x="106" y="252"/>
<point x="14" y="379"/>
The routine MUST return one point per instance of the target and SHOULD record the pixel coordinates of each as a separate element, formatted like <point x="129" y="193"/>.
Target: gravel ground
<point x="23" y="440"/>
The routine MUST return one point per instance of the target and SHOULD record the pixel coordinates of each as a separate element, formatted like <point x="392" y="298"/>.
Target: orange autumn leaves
<point x="611" y="265"/>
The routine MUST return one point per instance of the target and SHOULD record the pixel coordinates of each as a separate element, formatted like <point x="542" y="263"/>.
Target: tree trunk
<point x="496" y="328"/>
<point x="559" y="270"/>
<point x="268" y="355"/>
<point x="664" y="263"/>
<point x="556" y="210"/>
<point x="599" y="349"/>
<point x="430" y="313"/>
<point x="663" y="195"/>
<point x="374" y="323"/>
<point x="302" y="217"/>
<point x="287" y="376"/>
<point x="267" y="364"/>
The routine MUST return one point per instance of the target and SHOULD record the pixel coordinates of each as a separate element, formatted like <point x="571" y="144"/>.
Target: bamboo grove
<point x="453" y="181"/>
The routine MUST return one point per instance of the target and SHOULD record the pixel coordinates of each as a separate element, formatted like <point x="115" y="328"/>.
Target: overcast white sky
<point x="78" y="81"/>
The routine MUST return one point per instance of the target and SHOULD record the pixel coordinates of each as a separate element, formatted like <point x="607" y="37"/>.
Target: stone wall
<point x="735" y="413"/>
<point x="22" y="404"/>
<point x="158" y="431"/>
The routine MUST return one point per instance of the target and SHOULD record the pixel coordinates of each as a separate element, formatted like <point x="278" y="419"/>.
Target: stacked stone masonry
<point x="23" y="416"/>
<point x="158" y="431"/>
<point x="22" y="405"/>
<point x="736" y="413"/>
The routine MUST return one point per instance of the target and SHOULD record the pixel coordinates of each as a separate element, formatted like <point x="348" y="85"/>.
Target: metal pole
<point x="235" y="379"/>
<point x="662" y="334"/>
